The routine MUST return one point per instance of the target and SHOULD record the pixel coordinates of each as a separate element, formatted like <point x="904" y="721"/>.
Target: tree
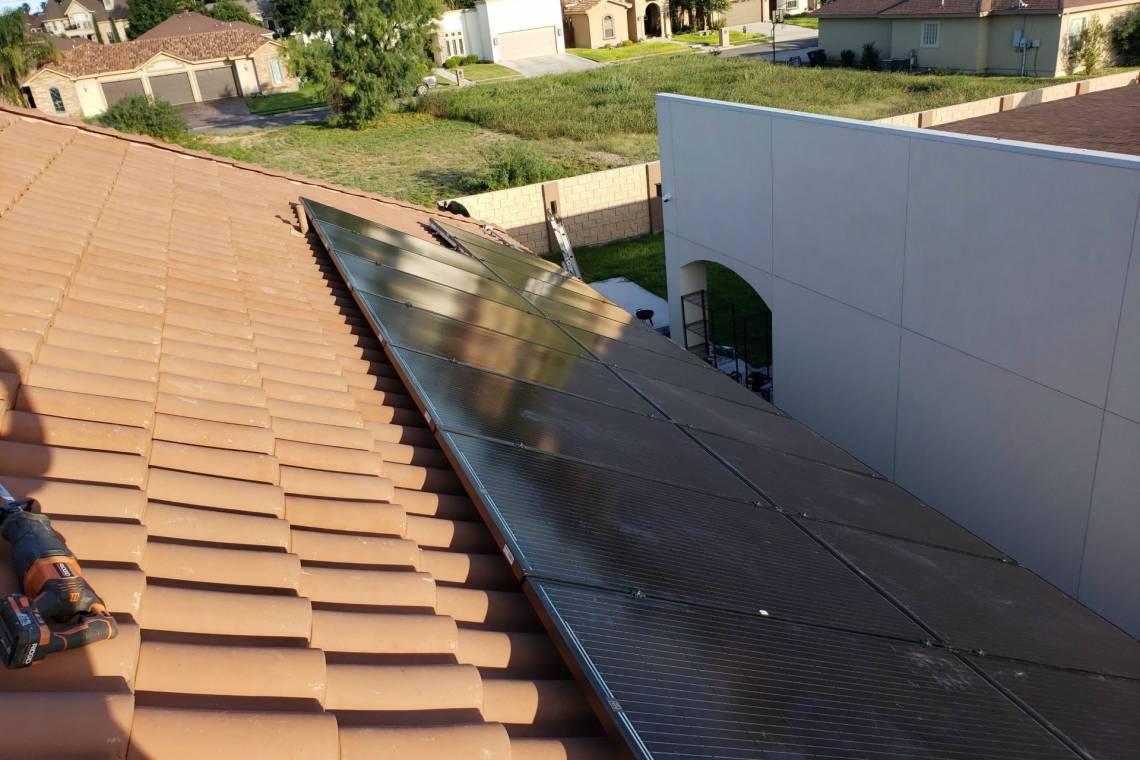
<point x="1093" y="45"/>
<point x="1126" y="36"/>
<point x="21" y="53"/>
<point x="377" y="54"/>
<point x="229" y="10"/>
<point x="145" y="15"/>
<point x="288" y="15"/>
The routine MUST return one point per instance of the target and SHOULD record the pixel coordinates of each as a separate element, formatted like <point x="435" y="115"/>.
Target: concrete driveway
<point x="550" y="64"/>
<point x="232" y="115"/>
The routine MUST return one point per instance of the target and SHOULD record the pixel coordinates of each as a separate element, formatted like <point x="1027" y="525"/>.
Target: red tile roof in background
<point x="189" y="390"/>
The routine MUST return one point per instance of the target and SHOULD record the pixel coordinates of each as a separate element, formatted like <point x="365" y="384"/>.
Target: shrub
<point x="870" y="59"/>
<point x="626" y="43"/>
<point x="144" y="116"/>
<point x="1094" y="44"/>
<point x="470" y="59"/>
<point x="453" y="62"/>
<point x="1126" y="36"/>
<point x="510" y="164"/>
<point x="847" y="58"/>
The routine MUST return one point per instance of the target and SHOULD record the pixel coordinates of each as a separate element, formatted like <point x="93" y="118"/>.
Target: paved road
<point x="550" y="64"/>
<point x="791" y="40"/>
<point x="232" y="115"/>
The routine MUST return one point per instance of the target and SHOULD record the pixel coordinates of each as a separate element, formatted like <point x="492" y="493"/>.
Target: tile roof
<point x="90" y="60"/>
<point x="585" y="6"/>
<point x="1108" y="120"/>
<point x="187" y="387"/>
<point x="919" y="8"/>
<point x="195" y="23"/>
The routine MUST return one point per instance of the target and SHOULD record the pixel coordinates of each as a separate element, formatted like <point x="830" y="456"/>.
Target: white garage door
<point x="529" y="43"/>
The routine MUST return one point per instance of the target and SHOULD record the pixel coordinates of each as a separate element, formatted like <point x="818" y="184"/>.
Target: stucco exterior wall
<point x="41" y="93"/>
<point x="1003" y="58"/>
<point x="588" y="26"/>
<point x="839" y="34"/>
<point x="1106" y="16"/>
<point x="961" y="43"/>
<point x="261" y="58"/>
<point x="505" y="16"/>
<point x="950" y="328"/>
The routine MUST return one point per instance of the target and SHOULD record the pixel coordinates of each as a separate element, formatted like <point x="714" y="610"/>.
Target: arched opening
<point x="608" y="28"/>
<point x="57" y="100"/>
<point x="652" y="20"/>
<point x="728" y="324"/>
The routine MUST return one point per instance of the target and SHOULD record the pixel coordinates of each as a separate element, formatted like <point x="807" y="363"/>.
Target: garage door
<point x="215" y="84"/>
<point x="173" y="88"/>
<point x="528" y="44"/>
<point x="116" y="91"/>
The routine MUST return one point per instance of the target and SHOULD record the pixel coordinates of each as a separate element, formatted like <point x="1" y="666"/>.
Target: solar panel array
<point x="728" y="583"/>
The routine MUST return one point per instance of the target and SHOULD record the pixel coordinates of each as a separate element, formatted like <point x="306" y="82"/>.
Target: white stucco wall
<point x="502" y="16"/>
<point x="962" y="314"/>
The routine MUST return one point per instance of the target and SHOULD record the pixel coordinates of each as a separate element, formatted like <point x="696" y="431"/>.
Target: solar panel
<point x="368" y="247"/>
<point x="1100" y="715"/>
<point x="466" y="400"/>
<point x="611" y="349"/>
<point x="540" y="293"/>
<point x="320" y="213"/>
<point x="822" y="492"/>
<point x="679" y="682"/>
<point x="571" y="521"/>
<point x="987" y="605"/>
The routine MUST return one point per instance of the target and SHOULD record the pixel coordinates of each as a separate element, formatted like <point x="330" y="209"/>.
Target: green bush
<point x="847" y="58"/>
<point x="510" y="165"/>
<point x="1126" y="36"/>
<point x="626" y="43"/>
<point x="141" y="115"/>
<point x="470" y="59"/>
<point x="870" y="59"/>
<point x="453" y="62"/>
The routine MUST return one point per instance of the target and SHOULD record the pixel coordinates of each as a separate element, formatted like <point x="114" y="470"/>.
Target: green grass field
<point x="266" y="105"/>
<point x="713" y="38"/>
<point x="412" y="156"/>
<point x="483" y="72"/>
<point x="808" y="22"/>
<point x="640" y="50"/>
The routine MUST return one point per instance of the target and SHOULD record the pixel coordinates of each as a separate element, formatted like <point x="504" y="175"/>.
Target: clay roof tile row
<point x="294" y="567"/>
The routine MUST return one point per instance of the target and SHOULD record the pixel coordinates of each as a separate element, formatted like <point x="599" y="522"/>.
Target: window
<point x="792" y="5"/>
<point x="1076" y="26"/>
<point x="275" y="70"/>
<point x="929" y="34"/>
<point x="57" y="100"/>
<point x="608" y="28"/>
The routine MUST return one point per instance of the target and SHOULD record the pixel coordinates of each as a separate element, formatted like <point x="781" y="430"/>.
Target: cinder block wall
<point x="596" y="208"/>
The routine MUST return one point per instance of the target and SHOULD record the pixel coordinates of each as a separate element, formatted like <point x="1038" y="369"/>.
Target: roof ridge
<point x="28" y="113"/>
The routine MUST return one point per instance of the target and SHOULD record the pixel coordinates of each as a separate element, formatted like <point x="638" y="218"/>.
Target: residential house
<point x="183" y="24"/>
<point x="502" y="30"/>
<point x="1024" y="37"/>
<point x="184" y="69"/>
<point x="598" y="23"/>
<point x="97" y="20"/>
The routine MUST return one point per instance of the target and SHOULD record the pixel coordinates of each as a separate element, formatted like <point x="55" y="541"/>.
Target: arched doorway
<point x="653" y="20"/>
<point x="727" y="323"/>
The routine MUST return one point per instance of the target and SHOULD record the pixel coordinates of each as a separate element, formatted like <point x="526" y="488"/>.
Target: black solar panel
<point x="384" y="251"/>
<point x="571" y="521"/>
<point x="324" y="215"/>
<point x="987" y="605"/>
<point x="574" y="298"/>
<point x="684" y="683"/>
<point x="823" y="492"/>
<point x="1100" y="715"/>
<point x="466" y="400"/>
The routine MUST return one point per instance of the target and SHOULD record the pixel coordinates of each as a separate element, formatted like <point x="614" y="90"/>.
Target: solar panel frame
<point x="747" y="687"/>
<point x="320" y="212"/>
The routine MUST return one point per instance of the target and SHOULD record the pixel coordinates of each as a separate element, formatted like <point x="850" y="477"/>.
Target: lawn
<point x="265" y="105"/>
<point x="639" y="50"/>
<point x="713" y="38"/>
<point x="614" y="107"/>
<point x="412" y="156"/>
<point x="483" y="72"/>
<point x="808" y="22"/>
<point x="642" y="260"/>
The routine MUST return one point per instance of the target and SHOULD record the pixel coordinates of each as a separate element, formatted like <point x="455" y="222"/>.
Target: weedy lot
<point x="575" y="123"/>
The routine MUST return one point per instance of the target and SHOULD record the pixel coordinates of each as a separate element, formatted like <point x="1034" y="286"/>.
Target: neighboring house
<point x="993" y="36"/>
<point x="502" y="30"/>
<point x="195" y="23"/>
<point x="187" y="69"/>
<point x="97" y="20"/>
<point x="597" y="23"/>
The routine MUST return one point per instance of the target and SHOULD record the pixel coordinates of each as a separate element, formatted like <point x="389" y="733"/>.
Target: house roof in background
<point x="195" y="23"/>
<point x="56" y="9"/>
<point x="188" y="389"/>
<point x="1108" y="121"/>
<point x="91" y="60"/>
<point x="585" y="6"/>
<point x="924" y="8"/>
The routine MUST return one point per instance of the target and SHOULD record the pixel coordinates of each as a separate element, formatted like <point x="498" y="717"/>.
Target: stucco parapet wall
<point x="975" y="108"/>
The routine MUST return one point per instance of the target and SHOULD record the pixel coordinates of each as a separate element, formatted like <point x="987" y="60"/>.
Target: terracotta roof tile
<point x="223" y="441"/>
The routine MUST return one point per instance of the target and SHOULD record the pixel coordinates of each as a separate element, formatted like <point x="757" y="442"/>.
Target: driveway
<point x="232" y="115"/>
<point x="550" y="64"/>
<point x="791" y="40"/>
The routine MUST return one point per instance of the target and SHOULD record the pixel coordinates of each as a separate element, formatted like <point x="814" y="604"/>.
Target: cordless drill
<point x="57" y="609"/>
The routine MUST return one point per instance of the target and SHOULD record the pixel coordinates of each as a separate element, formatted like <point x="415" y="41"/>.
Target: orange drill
<point x="57" y="608"/>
